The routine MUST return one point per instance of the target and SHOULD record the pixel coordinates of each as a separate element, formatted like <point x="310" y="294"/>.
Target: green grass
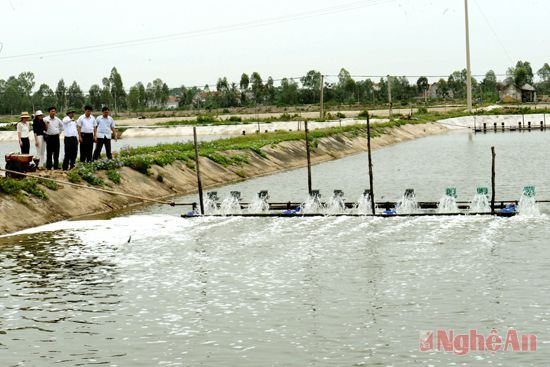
<point x="113" y="175"/>
<point x="17" y="188"/>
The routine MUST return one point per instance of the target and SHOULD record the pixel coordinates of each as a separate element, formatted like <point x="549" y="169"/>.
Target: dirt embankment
<point x="71" y="202"/>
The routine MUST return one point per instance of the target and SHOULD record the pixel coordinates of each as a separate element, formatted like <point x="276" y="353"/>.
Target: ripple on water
<point x="326" y="291"/>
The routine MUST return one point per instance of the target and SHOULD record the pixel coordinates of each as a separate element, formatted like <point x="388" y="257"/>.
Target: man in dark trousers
<point x="70" y="141"/>
<point x="104" y="130"/>
<point x="85" y="125"/>
<point x="54" y="127"/>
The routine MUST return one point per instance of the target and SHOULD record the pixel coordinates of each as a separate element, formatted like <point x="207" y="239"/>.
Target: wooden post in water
<point x="197" y="167"/>
<point x="322" y="101"/>
<point x="371" y="181"/>
<point x="308" y="153"/>
<point x="493" y="185"/>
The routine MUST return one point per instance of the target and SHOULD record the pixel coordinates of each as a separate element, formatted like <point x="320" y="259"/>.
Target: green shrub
<point x="114" y="176"/>
<point x="206" y="119"/>
<point x="422" y="110"/>
<point x="363" y="114"/>
<point x="73" y="176"/>
<point x="50" y="184"/>
<point x="15" y="187"/>
<point x="235" y="119"/>
<point x="340" y="115"/>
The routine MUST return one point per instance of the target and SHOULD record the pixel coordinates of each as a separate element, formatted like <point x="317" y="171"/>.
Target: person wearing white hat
<point x="39" y="129"/>
<point x="23" y="132"/>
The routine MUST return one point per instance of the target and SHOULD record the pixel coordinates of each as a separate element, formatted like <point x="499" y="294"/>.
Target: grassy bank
<point x="421" y="114"/>
<point x="226" y="152"/>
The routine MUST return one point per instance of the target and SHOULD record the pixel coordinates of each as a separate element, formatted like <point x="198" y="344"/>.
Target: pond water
<point x="146" y="287"/>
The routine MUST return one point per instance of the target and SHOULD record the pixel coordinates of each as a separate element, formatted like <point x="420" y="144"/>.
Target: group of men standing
<point x="86" y="131"/>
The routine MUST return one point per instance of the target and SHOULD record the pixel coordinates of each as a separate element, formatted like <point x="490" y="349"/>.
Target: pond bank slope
<point x="178" y="179"/>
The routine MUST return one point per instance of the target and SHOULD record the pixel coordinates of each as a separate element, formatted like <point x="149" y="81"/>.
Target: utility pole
<point x="468" y="63"/>
<point x="389" y="95"/>
<point x="322" y="113"/>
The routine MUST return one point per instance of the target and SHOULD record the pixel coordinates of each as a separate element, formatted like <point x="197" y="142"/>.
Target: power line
<point x="203" y="32"/>
<point x="494" y="32"/>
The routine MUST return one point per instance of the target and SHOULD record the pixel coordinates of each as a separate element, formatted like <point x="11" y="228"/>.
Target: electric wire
<point x="202" y="32"/>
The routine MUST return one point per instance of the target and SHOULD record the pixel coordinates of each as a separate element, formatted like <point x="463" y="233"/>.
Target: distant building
<point x="172" y="103"/>
<point x="511" y="93"/>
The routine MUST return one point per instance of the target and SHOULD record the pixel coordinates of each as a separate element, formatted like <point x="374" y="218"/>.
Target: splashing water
<point x="480" y="204"/>
<point x="528" y="203"/>
<point x="258" y="205"/>
<point x="407" y="205"/>
<point x="211" y="207"/>
<point x="363" y="205"/>
<point x="335" y="205"/>
<point x="230" y="205"/>
<point x="312" y="205"/>
<point x="447" y="204"/>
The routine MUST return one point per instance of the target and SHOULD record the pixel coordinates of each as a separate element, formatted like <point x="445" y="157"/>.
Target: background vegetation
<point x="18" y="93"/>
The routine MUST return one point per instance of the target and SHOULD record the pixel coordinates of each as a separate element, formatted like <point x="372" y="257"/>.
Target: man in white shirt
<point x="85" y="125"/>
<point x="71" y="140"/>
<point x="54" y="127"/>
<point x="104" y="130"/>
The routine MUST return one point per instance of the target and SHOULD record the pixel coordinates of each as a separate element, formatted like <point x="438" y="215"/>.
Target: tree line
<point x="16" y="93"/>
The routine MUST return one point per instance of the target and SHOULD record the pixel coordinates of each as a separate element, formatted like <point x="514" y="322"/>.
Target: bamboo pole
<point x="308" y="153"/>
<point x="371" y="181"/>
<point x="199" y="181"/>
<point x="493" y="184"/>
<point x="90" y="187"/>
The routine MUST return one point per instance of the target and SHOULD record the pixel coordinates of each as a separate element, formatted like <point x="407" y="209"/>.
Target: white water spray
<point x="363" y="205"/>
<point x="528" y="203"/>
<point x="480" y="202"/>
<point x="448" y="204"/>
<point x="230" y="205"/>
<point x="258" y="205"/>
<point x="408" y="203"/>
<point x="336" y="204"/>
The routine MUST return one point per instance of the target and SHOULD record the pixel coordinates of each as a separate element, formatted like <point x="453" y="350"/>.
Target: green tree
<point x="544" y="75"/>
<point x="245" y="81"/>
<point x="270" y="91"/>
<point x="61" y="95"/>
<point x="106" y="97"/>
<point x="117" y="89"/>
<point x="288" y="93"/>
<point x="26" y="84"/>
<point x="311" y="83"/>
<point x="443" y="90"/>
<point x="75" y="97"/>
<point x="521" y="74"/>
<point x="422" y="85"/>
<point x="257" y="87"/>
<point x="44" y="97"/>
<point x="346" y="87"/>
<point x="133" y="98"/>
<point x="489" y="87"/>
<point x="12" y="96"/>
<point x="95" y="97"/>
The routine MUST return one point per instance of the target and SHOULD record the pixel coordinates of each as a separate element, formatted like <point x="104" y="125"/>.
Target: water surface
<point x="148" y="288"/>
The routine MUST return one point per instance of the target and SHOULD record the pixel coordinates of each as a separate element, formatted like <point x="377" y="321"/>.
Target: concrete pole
<point x="322" y="113"/>
<point x="468" y="62"/>
<point x="389" y="96"/>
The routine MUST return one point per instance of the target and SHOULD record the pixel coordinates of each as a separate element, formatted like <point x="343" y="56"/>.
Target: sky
<point x="283" y="38"/>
